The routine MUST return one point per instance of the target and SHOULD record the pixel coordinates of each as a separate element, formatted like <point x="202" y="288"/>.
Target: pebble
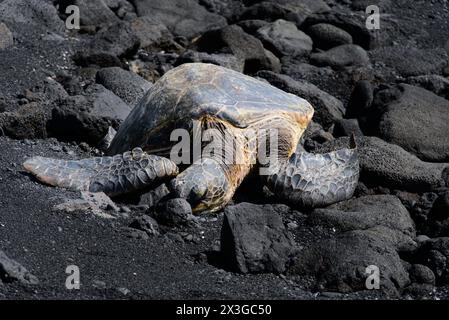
<point x="292" y="225"/>
<point x="124" y="291"/>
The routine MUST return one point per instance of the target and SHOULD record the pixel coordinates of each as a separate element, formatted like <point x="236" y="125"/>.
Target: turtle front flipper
<point x="124" y="173"/>
<point x="316" y="180"/>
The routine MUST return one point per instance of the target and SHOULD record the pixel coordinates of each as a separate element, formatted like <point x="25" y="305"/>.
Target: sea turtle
<point x="240" y="108"/>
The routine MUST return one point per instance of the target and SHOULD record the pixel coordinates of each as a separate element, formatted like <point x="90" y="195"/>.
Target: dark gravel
<point x="61" y="90"/>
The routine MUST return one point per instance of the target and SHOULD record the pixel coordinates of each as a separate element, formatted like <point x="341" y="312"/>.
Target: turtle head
<point x="204" y="185"/>
<point x="191" y="188"/>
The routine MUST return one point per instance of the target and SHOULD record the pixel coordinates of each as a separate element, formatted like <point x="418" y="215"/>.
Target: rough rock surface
<point x="360" y="100"/>
<point x="342" y="56"/>
<point x="435" y="254"/>
<point x="346" y="127"/>
<point x="117" y="40"/>
<point x="222" y="59"/>
<point x="174" y="212"/>
<point x="126" y="85"/>
<point x="411" y="61"/>
<point x="417" y="120"/>
<point x="340" y="263"/>
<point x="40" y="14"/>
<point x="366" y="212"/>
<point x="6" y="37"/>
<point x="182" y="17"/>
<point x="11" y="270"/>
<point x="284" y="39"/>
<point x="232" y="39"/>
<point x="326" y="36"/>
<point x="435" y="83"/>
<point x="98" y="204"/>
<point x="254" y="239"/>
<point x="150" y="31"/>
<point x="291" y="10"/>
<point x="147" y="224"/>
<point x="354" y="23"/>
<point x="92" y="13"/>
<point x="87" y="117"/>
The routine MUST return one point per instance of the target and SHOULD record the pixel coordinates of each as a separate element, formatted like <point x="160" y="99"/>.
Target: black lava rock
<point x="326" y="36"/>
<point x="267" y="11"/>
<point x="413" y="118"/>
<point x="352" y="23"/>
<point x="421" y="274"/>
<point x="147" y="224"/>
<point x="125" y="84"/>
<point x="92" y="13"/>
<point x="151" y="32"/>
<point x="347" y="127"/>
<point x="232" y="39"/>
<point x="408" y="61"/>
<point x="254" y="239"/>
<point x="6" y="37"/>
<point x="11" y="270"/>
<point x="440" y="209"/>
<point x="109" y="45"/>
<point x="87" y="117"/>
<point x="226" y="8"/>
<point x="174" y="212"/>
<point x="360" y="100"/>
<point x="342" y="56"/>
<point x="290" y="10"/>
<point x="135" y="233"/>
<point x="221" y="59"/>
<point x="284" y="39"/>
<point x="367" y="212"/>
<point x="153" y="197"/>
<point x="251" y="26"/>
<point x="39" y="14"/>
<point x="434" y="254"/>
<point x="435" y="83"/>
<point x="342" y="262"/>
<point x="182" y="17"/>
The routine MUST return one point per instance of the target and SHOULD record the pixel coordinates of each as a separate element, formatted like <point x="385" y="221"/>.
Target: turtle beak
<point x="191" y="190"/>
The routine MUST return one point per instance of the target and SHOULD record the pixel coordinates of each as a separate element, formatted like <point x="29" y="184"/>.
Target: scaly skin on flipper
<point x="316" y="180"/>
<point x="115" y="175"/>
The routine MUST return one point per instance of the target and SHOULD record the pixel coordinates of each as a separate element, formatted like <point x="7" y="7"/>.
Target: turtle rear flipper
<point x="317" y="180"/>
<point x="124" y="173"/>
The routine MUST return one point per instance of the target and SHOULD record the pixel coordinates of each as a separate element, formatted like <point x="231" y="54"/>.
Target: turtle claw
<point x="105" y="143"/>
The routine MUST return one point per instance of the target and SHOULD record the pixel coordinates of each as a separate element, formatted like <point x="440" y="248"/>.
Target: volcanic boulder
<point x="127" y="85"/>
<point x="326" y="36"/>
<point x="232" y="39"/>
<point x="254" y="239"/>
<point x="284" y="39"/>
<point x="11" y="270"/>
<point x="182" y="17"/>
<point x="342" y="56"/>
<point x="415" y="119"/>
